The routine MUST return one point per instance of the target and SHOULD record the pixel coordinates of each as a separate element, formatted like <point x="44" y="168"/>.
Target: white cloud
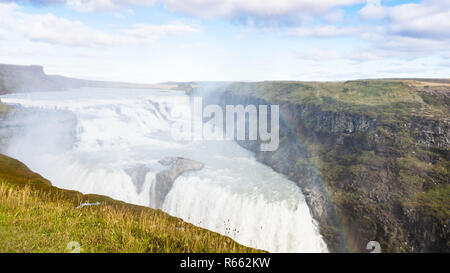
<point x="404" y="40"/>
<point x="56" y="30"/>
<point x="325" y="31"/>
<point x="428" y="19"/>
<point x="92" y="5"/>
<point x="334" y="16"/>
<point x="6" y="11"/>
<point x="363" y="55"/>
<point x="257" y="8"/>
<point x="319" y="54"/>
<point x="234" y="9"/>
<point x="373" y="10"/>
<point x="52" y="29"/>
<point x="149" y="32"/>
<point x="87" y="5"/>
<point x="407" y="31"/>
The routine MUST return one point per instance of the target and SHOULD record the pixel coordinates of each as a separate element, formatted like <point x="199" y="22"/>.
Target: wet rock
<point x="164" y="179"/>
<point x="137" y="175"/>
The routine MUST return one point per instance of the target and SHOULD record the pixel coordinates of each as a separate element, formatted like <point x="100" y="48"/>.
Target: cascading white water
<point x="117" y="130"/>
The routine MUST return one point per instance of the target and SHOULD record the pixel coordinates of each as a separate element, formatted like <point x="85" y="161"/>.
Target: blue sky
<point x="210" y="40"/>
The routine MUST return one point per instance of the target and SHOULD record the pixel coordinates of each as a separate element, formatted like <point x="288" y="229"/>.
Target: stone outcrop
<point x="166" y="178"/>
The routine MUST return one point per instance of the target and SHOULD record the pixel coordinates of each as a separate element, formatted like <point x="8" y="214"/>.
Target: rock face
<point x="365" y="178"/>
<point x="164" y="179"/>
<point x="137" y="175"/>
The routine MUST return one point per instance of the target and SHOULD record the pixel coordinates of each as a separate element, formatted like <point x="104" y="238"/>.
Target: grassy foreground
<point x="37" y="217"/>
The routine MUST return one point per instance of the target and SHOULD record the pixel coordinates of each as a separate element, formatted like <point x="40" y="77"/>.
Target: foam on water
<point x="118" y="129"/>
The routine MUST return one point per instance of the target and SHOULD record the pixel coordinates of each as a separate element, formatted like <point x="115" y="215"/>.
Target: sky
<point x="150" y="41"/>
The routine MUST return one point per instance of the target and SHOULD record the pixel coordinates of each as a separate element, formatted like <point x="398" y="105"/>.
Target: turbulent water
<point x="109" y="141"/>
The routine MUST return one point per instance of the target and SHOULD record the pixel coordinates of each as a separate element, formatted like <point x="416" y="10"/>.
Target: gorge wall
<point x="373" y="175"/>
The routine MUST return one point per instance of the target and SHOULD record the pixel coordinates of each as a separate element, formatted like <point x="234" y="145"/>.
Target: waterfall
<point x="109" y="141"/>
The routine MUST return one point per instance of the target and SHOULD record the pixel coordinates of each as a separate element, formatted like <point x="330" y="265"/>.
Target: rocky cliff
<point x="372" y="158"/>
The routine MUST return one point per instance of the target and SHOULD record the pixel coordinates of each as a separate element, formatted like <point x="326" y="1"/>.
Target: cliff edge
<point x="371" y="156"/>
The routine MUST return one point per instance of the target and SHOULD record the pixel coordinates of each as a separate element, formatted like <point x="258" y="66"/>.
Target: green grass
<point x="369" y="97"/>
<point x="428" y="183"/>
<point x="37" y="217"/>
<point x="370" y="92"/>
<point x="435" y="202"/>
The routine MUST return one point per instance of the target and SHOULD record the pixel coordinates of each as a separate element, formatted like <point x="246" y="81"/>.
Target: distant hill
<point x="19" y="78"/>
